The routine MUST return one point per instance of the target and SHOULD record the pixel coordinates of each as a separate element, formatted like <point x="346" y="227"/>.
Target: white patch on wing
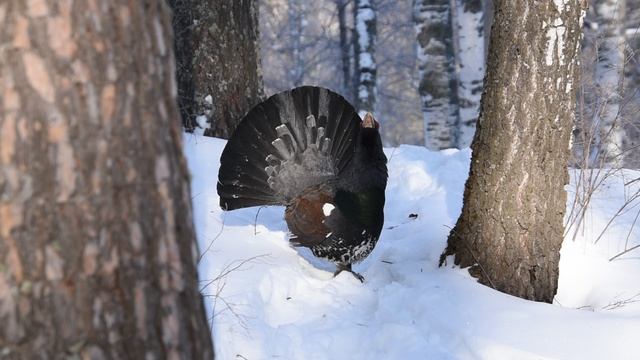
<point x="327" y="209"/>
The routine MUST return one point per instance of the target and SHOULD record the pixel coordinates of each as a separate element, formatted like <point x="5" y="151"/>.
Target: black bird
<point x="308" y="149"/>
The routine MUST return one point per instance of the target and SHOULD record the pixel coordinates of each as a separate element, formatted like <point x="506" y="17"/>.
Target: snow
<point x="269" y="301"/>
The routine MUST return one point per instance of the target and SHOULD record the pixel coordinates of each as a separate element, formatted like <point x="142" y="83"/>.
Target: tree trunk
<point x="632" y="38"/>
<point x="97" y="245"/>
<point x="511" y="227"/>
<point x="438" y="81"/>
<point x="218" y="61"/>
<point x="182" y="29"/>
<point x="608" y="80"/>
<point x="631" y="94"/>
<point x="364" y="54"/>
<point x="487" y="12"/>
<point x="469" y="26"/>
<point x="584" y="136"/>
<point x="296" y="31"/>
<point x="345" y="49"/>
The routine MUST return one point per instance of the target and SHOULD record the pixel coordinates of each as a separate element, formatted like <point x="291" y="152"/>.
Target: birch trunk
<point x="436" y="63"/>
<point x="511" y="226"/>
<point x="632" y="40"/>
<point x="97" y="247"/>
<point x="470" y="56"/>
<point x="631" y="94"/>
<point x="364" y="55"/>
<point x="609" y="16"/>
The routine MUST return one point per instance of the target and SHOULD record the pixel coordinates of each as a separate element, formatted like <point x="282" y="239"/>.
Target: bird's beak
<point x="369" y="122"/>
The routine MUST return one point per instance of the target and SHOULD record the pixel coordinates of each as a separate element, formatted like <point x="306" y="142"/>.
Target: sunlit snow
<point x="268" y="301"/>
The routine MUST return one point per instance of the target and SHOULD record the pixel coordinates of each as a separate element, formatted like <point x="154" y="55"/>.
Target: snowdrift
<point x="267" y="300"/>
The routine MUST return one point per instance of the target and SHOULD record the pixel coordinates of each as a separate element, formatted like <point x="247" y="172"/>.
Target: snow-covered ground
<point x="268" y="301"/>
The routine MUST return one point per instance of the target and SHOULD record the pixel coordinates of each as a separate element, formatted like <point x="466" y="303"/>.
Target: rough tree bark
<point x="364" y="41"/>
<point x="438" y="81"/>
<point x="97" y="247"/>
<point x="218" y="63"/>
<point x="511" y="226"/>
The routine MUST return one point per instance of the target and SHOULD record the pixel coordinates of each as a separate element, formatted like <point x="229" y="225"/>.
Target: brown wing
<point x="305" y="216"/>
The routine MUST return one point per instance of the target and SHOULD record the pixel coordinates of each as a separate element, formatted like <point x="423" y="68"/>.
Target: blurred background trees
<point x="417" y="64"/>
<point x="329" y="57"/>
<point x="430" y="57"/>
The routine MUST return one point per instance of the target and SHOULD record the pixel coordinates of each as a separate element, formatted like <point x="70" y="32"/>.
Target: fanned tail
<point x="289" y="142"/>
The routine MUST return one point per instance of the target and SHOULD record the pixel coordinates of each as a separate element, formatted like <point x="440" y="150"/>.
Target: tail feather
<point x="344" y="141"/>
<point x="293" y="140"/>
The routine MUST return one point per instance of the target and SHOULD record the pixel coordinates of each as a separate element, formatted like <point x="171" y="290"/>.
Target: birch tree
<point x="468" y="37"/>
<point x="97" y="246"/>
<point x="437" y="77"/>
<point x="364" y="54"/>
<point x="609" y="17"/>
<point x="632" y="41"/>
<point x="296" y="32"/>
<point x="511" y="227"/>
<point x="631" y="86"/>
<point x="218" y="62"/>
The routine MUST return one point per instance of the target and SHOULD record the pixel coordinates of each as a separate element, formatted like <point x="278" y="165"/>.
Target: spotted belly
<point x="341" y="251"/>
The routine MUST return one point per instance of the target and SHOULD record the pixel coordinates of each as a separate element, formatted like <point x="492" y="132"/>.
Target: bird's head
<point x="369" y="122"/>
<point x="370" y="143"/>
<point x="370" y="132"/>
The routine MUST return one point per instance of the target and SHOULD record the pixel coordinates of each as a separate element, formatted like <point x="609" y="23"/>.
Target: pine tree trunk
<point x="97" y="247"/>
<point x="218" y="61"/>
<point x="470" y="65"/>
<point x="364" y="54"/>
<point x="511" y="227"/>
<point x="438" y="81"/>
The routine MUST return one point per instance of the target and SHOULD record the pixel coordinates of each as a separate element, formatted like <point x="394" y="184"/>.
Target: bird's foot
<point x="347" y="268"/>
